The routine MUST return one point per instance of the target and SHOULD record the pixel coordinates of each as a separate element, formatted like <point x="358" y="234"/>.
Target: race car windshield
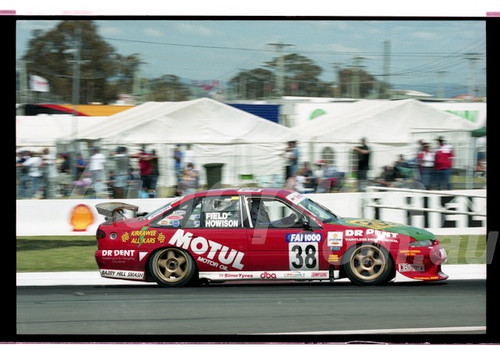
<point x="321" y="212"/>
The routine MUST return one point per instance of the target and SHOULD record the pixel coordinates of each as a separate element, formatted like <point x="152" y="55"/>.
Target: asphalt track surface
<point x="244" y="309"/>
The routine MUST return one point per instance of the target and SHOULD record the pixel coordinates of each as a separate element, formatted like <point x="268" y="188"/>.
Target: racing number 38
<point x="303" y="256"/>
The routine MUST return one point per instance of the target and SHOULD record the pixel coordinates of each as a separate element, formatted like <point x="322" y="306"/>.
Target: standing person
<point x="22" y="173"/>
<point x="65" y="175"/>
<point x="425" y="161"/>
<point x="82" y="178"/>
<point x="50" y="174"/>
<point x="309" y="179"/>
<point x="300" y="180"/>
<point x="291" y="161"/>
<point x="319" y="175"/>
<point x="80" y="166"/>
<point x="96" y="168"/>
<point x="145" y="168"/>
<point x="363" y="152"/>
<point x="480" y="169"/>
<point x="443" y="162"/>
<point x="121" y="172"/>
<point x="177" y="156"/>
<point x="34" y="164"/>
<point x="188" y="156"/>
<point x="155" y="173"/>
<point x="189" y="181"/>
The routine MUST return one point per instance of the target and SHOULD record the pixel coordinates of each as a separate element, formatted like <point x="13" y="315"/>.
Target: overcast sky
<point x="219" y="49"/>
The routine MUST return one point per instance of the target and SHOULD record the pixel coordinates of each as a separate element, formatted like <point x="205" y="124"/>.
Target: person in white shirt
<point x="425" y="161"/>
<point x="96" y="168"/>
<point x="189" y="156"/>
<point x="34" y="165"/>
<point x="50" y="173"/>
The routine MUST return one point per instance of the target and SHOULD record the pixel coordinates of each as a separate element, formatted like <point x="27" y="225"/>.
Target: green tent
<point x="477" y="133"/>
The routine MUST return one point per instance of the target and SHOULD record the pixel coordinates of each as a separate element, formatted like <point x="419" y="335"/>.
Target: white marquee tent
<point x="390" y="128"/>
<point x="45" y="130"/>
<point x="246" y="144"/>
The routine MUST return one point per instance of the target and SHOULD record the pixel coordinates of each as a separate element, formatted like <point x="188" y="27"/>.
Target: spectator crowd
<point x="431" y="167"/>
<point x="122" y="174"/>
<point x="45" y="175"/>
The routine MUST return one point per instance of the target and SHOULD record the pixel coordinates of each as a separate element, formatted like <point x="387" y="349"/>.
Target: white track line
<point x="390" y="331"/>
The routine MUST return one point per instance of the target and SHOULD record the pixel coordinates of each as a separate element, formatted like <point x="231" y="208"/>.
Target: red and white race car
<point x="259" y="234"/>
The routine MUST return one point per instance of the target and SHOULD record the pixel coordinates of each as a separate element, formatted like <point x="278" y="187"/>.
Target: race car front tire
<point x="368" y="264"/>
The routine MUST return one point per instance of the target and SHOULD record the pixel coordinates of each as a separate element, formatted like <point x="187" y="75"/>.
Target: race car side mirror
<point x="306" y="225"/>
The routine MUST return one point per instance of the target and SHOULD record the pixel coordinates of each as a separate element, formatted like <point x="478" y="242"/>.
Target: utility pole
<point x="23" y="84"/>
<point x="387" y="68"/>
<point x="355" y="87"/>
<point x="336" y="67"/>
<point x="77" y="47"/>
<point x="76" y="52"/>
<point x="472" y="58"/>
<point x="139" y="86"/>
<point x="441" y="83"/>
<point x="243" y="85"/>
<point x="280" y="76"/>
<point x="77" y="62"/>
<point x="136" y="88"/>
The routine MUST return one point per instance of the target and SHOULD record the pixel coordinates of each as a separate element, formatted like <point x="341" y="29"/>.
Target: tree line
<point x="104" y="73"/>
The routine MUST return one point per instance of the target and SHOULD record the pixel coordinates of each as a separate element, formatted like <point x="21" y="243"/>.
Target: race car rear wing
<point x="114" y="211"/>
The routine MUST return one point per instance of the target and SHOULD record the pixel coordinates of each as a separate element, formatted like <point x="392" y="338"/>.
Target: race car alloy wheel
<point x="172" y="267"/>
<point x="368" y="264"/>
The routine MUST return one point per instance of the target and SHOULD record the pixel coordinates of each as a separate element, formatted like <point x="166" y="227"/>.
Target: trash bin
<point x="214" y="174"/>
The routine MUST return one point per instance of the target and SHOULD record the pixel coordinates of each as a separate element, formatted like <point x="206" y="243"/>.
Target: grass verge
<point x="55" y="253"/>
<point x="76" y="253"/>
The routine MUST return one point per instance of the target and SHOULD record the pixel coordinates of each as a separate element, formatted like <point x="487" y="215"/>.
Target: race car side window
<point x="221" y="212"/>
<point x="187" y="215"/>
<point x="193" y="218"/>
<point x="272" y="213"/>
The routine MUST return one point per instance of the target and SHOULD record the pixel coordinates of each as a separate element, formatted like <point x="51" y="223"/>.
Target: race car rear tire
<point x="172" y="267"/>
<point x="368" y="264"/>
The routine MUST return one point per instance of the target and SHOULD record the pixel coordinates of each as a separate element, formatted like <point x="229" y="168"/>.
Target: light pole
<point x="473" y="58"/>
<point x="355" y="88"/>
<point x="76" y="52"/>
<point x="441" y="83"/>
<point x="280" y="76"/>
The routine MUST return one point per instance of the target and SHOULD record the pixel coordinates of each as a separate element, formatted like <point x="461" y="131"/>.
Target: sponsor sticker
<point x="143" y="236"/>
<point x="118" y="253"/>
<point x="266" y="275"/>
<point x="369" y="234"/>
<point x="303" y="237"/>
<point x="333" y="258"/>
<point x="406" y="267"/>
<point x="295" y="197"/>
<point x="210" y="252"/>
<point x="114" y="273"/>
<point x="335" y="239"/>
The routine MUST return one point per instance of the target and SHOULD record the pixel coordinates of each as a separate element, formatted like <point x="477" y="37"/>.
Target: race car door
<point x="210" y="228"/>
<point x="278" y="238"/>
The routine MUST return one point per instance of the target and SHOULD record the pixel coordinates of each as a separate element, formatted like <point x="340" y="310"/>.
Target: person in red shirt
<point x="443" y="163"/>
<point x="145" y="168"/>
